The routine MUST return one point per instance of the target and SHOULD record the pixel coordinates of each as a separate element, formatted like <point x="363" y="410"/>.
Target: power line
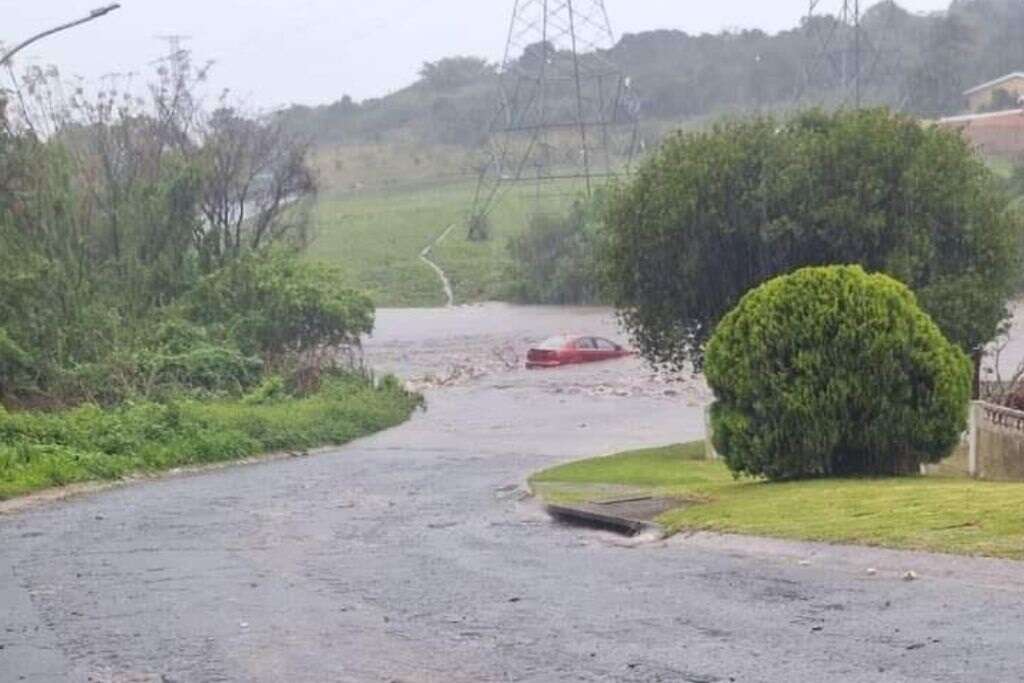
<point x="566" y="112"/>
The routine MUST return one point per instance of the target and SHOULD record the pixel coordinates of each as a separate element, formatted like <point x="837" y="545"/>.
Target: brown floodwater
<point x="486" y="344"/>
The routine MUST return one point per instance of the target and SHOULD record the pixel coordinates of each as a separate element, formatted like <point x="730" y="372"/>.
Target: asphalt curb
<point x="589" y="517"/>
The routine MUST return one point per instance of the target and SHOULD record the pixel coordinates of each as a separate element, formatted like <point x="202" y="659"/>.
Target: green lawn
<point x="377" y="236"/>
<point x="942" y="514"/>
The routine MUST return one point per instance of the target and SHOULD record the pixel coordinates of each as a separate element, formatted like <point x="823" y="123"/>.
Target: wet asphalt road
<point x="410" y="556"/>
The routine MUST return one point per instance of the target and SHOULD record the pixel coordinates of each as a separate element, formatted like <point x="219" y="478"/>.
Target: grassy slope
<point x="378" y="236"/>
<point x="39" y="451"/>
<point x="938" y="514"/>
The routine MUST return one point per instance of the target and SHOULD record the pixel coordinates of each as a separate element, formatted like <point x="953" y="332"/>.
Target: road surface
<point x="411" y="556"/>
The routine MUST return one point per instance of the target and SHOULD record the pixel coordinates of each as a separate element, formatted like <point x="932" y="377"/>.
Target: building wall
<point x="993" y="134"/>
<point x="983" y="98"/>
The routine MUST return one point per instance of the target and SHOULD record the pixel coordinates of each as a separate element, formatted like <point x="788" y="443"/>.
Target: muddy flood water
<point x="485" y="345"/>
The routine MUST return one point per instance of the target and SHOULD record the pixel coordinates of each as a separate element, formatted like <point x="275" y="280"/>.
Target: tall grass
<point x="43" y="450"/>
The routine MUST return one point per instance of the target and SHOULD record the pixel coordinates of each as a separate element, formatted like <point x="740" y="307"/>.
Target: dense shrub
<point x="717" y="212"/>
<point x="831" y="371"/>
<point x="275" y="305"/>
<point x="554" y="260"/>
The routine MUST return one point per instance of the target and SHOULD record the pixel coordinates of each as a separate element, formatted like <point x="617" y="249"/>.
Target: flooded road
<point x="414" y="556"/>
<point x="485" y="346"/>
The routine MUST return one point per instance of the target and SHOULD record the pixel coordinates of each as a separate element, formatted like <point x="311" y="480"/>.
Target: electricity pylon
<point x="848" y="60"/>
<point x="565" y="111"/>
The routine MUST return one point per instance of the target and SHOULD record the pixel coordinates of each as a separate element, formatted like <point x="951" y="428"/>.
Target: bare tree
<point x="251" y="177"/>
<point x="256" y="178"/>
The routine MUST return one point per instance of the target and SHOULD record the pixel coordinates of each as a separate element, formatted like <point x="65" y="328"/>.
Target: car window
<point x="554" y="343"/>
<point x="586" y="343"/>
<point x="605" y="345"/>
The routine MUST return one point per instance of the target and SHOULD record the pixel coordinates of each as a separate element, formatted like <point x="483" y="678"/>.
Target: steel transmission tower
<point x="849" y="60"/>
<point x="565" y="112"/>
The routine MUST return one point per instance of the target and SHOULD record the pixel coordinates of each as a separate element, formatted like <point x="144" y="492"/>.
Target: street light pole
<point x="95" y="14"/>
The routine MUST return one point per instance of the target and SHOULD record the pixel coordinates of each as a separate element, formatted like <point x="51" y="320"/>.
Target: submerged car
<point x="569" y="349"/>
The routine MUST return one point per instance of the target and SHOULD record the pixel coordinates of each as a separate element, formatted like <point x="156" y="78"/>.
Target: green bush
<point x="833" y="372"/>
<point x="554" y="259"/>
<point x="278" y="306"/>
<point x="717" y="212"/>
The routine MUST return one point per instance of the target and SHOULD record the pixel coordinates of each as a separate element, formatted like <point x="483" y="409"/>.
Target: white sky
<point x="274" y="52"/>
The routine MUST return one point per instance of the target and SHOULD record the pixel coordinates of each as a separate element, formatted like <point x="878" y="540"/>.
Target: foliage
<point x="920" y="63"/>
<point x="203" y="366"/>
<point x="452" y="72"/>
<point x="41" y="450"/>
<point x="830" y="371"/>
<point x="112" y="207"/>
<point x="258" y="184"/>
<point x="277" y="306"/>
<point x="479" y="227"/>
<point x="554" y="260"/>
<point x="715" y="213"/>
<point x="938" y="514"/>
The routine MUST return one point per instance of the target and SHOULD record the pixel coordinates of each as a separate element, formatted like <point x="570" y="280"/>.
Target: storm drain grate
<point x="630" y="515"/>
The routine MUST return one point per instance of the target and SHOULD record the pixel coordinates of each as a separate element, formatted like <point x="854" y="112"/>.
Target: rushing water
<point x="486" y="345"/>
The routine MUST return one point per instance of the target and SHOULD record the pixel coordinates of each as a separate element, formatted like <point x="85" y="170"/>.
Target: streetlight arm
<point x="95" y="14"/>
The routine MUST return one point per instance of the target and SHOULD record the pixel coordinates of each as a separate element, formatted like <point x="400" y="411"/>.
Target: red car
<point x="567" y="350"/>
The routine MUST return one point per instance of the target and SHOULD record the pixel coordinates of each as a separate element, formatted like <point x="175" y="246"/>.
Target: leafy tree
<point x="713" y="214"/>
<point x="830" y="371"/>
<point x="452" y="72"/>
<point x="934" y="82"/>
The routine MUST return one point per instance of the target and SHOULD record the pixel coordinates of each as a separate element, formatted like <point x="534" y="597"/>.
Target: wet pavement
<point x="413" y="555"/>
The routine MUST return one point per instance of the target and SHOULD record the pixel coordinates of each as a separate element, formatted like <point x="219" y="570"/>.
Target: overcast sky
<point x="274" y="52"/>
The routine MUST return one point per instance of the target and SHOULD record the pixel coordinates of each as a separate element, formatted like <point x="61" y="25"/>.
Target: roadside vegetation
<point x="39" y="450"/>
<point x="830" y="371"/>
<point x="939" y="514"/>
<point x="555" y="259"/>
<point x="713" y="214"/>
<point x="156" y="308"/>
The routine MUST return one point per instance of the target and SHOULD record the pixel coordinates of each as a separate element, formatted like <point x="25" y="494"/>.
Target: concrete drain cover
<point x="630" y="515"/>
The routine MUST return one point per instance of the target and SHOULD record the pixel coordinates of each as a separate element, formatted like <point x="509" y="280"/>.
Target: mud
<point x="412" y="556"/>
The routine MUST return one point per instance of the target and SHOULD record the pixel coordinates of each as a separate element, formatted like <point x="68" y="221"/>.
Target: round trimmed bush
<point x="834" y="372"/>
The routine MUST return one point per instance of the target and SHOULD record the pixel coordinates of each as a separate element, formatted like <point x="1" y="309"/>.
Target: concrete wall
<point x="997" y="448"/>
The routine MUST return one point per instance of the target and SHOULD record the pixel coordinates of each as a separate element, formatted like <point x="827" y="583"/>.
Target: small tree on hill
<point x="716" y="213"/>
<point x="830" y="371"/>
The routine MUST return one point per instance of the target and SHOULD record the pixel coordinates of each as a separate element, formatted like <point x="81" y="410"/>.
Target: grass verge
<point x="44" y="450"/>
<point x="940" y="514"/>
